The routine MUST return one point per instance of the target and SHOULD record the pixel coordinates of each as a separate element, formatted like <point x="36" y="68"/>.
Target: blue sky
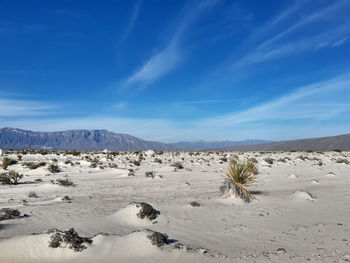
<point x="177" y="70"/>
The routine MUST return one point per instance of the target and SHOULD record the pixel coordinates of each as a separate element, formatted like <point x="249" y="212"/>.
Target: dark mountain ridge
<point x="85" y="140"/>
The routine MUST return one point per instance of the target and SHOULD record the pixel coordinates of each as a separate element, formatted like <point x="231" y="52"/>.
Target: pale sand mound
<point x="134" y="247"/>
<point x="129" y="216"/>
<point x="302" y="196"/>
<point x="293" y="176"/>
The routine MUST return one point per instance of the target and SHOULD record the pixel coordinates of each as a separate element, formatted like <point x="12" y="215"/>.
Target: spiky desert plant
<point x="240" y="175"/>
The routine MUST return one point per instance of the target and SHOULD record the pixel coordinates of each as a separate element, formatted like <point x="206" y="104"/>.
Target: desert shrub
<point x="337" y="150"/>
<point x="19" y="157"/>
<point x="150" y="174"/>
<point x="158" y="239"/>
<point x="113" y="165"/>
<point x="157" y="160"/>
<point x="32" y="194"/>
<point x="64" y="182"/>
<point x="66" y="198"/>
<point x="33" y="166"/>
<point x="146" y="211"/>
<point x="301" y="157"/>
<point x="224" y="159"/>
<point x="178" y="165"/>
<point x="54" y="160"/>
<point x="253" y="160"/>
<point x="6" y="162"/>
<point x="11" y="177"/>
<point x="240" y="175"/>
<point x="340" y="160"/>
<point x="69" y="238"/>
<point x="94" y="162"/>
<point x="74" y="153"/>
<point x="136" y="163"/>
<point x="194" y="204"/>
<point x="53" y="168"/>
<point x="131" y="172"/>
<point x="269" y="160"/>
<point x="8" y="213"/>
<point x="281" y="160"/>
<point x="43" y="152"/>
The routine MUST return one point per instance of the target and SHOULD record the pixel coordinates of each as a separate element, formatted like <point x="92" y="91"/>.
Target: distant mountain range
<point x="84" y="140"/>
<point x="97" y="140"/>
<point x="340" y="142"/>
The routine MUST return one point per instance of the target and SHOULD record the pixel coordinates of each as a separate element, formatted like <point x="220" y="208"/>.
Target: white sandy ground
<point x="302" y="211"/>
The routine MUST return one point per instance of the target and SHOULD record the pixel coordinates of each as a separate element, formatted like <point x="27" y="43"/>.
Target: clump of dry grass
<point x="240" y="175"/>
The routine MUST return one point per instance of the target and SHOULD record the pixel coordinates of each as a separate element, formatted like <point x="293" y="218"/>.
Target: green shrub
<point x="240" y="175"/>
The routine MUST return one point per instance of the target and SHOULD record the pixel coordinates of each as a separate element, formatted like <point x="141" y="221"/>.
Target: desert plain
<point x="301" y="210"/>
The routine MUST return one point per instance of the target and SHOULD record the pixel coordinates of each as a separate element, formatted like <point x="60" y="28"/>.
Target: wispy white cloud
<point x="132" y="21"/>
<point x="271" y="48"/>
<point x="282" y="17"/>
<point x="168" y="58"/>
<point x="316" y="16"/>
<point x="318" y="101"/>
<point x="330" y="39"/>
<point x="157" y="66"/>
<point x="340" y="41"/>
<point x="18" y="108"/>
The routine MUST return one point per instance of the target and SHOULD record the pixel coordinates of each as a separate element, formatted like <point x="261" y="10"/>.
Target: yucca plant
<point x="240" y="175"/>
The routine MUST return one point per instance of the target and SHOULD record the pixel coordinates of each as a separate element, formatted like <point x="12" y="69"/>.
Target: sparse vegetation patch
<point x="11" y="177"/>
<point x="240" y="175"/>
<point x="69" y="238"/>
<point x="9" y="213"/>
